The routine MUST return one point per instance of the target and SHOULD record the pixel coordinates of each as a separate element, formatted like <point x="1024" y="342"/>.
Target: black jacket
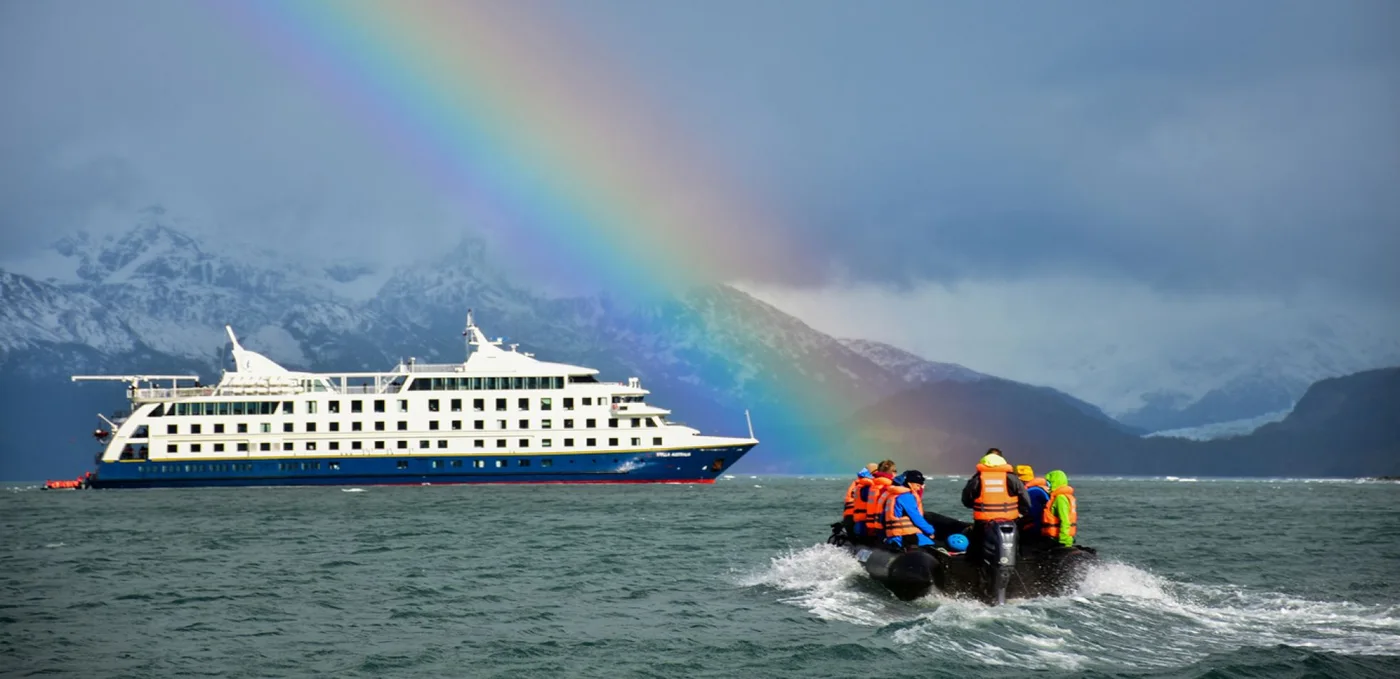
<point x="1013" y="485"/>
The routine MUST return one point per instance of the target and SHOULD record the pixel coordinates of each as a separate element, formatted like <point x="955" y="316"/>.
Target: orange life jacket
<point x="875" y="506"/>
<point x="897" y="526"/>
<point x="996" y="501"/>
<point x="1050" y="521"/>
<point x="855" y="504"/>
<point x="1037" y="482"/>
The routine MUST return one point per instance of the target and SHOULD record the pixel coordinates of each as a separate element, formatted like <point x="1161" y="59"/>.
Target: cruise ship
<point x="500" y="416"/>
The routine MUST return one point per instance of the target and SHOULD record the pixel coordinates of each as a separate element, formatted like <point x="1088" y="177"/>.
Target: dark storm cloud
<point x="1223" y="145"/>
<point x="1186" y="146"/>
<point x="130" y="104"/>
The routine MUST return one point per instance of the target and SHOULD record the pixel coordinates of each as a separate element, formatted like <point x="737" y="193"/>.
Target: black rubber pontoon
<point x="1011" y="568"/>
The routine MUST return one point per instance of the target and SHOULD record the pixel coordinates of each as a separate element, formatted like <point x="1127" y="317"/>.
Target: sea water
<point x="1233" y="577"/>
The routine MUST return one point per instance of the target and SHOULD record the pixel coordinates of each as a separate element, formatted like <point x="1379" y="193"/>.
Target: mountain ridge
<point x="1342" y="426"/>
<point x="154" y="299"/>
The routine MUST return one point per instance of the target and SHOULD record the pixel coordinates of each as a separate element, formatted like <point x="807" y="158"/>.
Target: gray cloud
<point x="169" y="103"/>
<point x="1235" y="145"/>
<point x="1225" y="146"/>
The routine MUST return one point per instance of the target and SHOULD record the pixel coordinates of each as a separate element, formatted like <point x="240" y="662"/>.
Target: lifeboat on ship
<point x="1018" y="569"/>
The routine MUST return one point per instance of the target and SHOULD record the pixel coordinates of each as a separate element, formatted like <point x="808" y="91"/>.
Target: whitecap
<point x="821" y="580"/>
<point x="1100" y="625"/>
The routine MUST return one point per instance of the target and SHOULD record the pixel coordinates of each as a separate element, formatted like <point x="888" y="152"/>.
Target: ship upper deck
<point x="487" y="367"/>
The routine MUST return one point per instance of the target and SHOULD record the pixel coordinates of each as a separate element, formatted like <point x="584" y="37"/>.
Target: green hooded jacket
<point x="1055" y="480"/>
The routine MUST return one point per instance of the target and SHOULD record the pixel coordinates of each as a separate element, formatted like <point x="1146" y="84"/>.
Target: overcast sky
<point x="1179" y="153"/>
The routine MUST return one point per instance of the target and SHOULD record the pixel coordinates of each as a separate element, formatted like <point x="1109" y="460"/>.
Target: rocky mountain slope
<point x="1247" y="367"/>
<point x="156" y="298"/>
<point x="910" y="367"/>
<point x="918" y="370"/>
<point x="1344" y="426"/>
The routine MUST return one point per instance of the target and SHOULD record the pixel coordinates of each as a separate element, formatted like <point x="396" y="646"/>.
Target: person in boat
<point x="1039" y="493"/>
<point x="905" y="525"/>
<point x="1060" y="518"/>
<point x="995" y="495"/>
<point x="882" y="479"/>
<point x="885" y="470"/>
<point x="857" y="495"/>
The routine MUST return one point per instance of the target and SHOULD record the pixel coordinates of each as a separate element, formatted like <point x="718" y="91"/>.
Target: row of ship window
<point x="334" y="465"/>
<point x="309" y="446"/>
<point x="486" y="383"/>
<point x="379" y="405"/>
<point x="402" y="425"/>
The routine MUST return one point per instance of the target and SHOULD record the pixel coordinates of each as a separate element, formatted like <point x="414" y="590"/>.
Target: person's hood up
<point x="1056" y="479"/>
<point x="863" y="473"/>
<point x="992" y="460"/>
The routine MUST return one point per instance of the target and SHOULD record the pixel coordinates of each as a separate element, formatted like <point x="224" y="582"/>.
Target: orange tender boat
<point x="69" y="484"/>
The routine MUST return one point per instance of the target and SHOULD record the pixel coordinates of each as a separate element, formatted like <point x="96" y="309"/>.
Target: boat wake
<point x="1119" y="616"/>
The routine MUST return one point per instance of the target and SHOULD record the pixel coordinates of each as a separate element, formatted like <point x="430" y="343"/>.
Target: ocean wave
<point x="1105" y="624"/>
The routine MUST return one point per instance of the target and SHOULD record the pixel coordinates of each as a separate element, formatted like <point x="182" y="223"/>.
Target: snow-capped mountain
<point x="35" y="313"/>
<point x="916" y="370"/>
<point x="159" y="288"/>
<point x="156" y="298"/>
<point x="1253" y="367"/>
<point x="1220" y="430"/>
<point x="912" y="368"/>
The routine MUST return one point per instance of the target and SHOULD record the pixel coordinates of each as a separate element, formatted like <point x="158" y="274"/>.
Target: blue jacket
<point x="1039" y="496"/>
<point x="908" y="505"/>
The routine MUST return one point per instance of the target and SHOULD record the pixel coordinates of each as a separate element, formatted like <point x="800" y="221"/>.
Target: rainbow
<point x="542" y="137"/>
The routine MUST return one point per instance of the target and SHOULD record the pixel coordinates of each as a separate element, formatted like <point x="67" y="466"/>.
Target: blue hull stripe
<point x="686" y="466"/>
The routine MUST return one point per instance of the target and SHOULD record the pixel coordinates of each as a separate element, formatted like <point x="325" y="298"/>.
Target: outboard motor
<point x="838" y="535"/>
<point x="1000" y="545"/>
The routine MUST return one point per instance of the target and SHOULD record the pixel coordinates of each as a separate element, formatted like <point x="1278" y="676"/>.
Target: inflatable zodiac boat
<point x="1012" y="568"/>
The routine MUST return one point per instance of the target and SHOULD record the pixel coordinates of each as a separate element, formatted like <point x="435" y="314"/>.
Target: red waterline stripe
<point x="503" y="483"/>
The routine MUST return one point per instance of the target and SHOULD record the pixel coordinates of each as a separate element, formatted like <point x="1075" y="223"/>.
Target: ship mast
<point x="467" y="333"/>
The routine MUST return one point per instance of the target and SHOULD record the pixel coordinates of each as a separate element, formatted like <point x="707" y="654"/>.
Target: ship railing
<point x="433" y="367"/>
<point x="257" y="390"/>
<point x="357" y="389"/>
<point x="198" y="392"/>
<point x="637" y="407"/>
<point x="163" y="394"/>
